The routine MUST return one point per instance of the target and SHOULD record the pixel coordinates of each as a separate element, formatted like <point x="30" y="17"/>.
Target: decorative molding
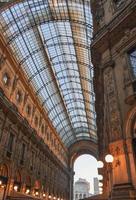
<point x="111" y="102"/>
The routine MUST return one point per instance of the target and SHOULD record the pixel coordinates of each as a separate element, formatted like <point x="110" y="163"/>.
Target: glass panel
<point x="51" y="42"/>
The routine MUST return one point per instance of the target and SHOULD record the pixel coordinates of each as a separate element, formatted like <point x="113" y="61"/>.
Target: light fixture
<point x="36" y="193"/>
<point x="100" y="184"/>
<point x="16" y="188"/>
<point x="100" y="192"/>
<point x="100" y="164"/>
<point x="49" y="196"/>
<point x="58" y="198"/>
<point x="54" y="197"/>
<point x="44" y="195"/>
<point x="0" y="182"/>
<point x="109" y="158"/>
<point x="100" y="189"/>
<point x="100" y="177"/>
<point x="27" y="191"/>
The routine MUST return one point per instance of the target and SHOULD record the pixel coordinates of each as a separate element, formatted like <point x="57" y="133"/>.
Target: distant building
<point x="96" y="186"/>
<point x="81" y="189"/>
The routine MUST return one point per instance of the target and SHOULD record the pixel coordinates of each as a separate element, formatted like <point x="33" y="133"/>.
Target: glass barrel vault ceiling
<point x="51" y="42"/>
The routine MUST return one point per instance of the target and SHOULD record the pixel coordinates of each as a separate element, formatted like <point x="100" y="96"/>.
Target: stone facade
<point x="33" y="160"/>
<point x="115" y="88"/>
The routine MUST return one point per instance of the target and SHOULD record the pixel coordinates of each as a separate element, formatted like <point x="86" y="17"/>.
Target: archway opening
<point x="86" y="181"/>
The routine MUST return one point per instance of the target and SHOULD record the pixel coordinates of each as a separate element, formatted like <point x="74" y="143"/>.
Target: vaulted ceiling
<point x="51" y="42"/>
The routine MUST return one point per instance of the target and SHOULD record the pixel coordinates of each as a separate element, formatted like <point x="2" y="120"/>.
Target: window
<point x="22" y="154"/>
<point x="19" y="97"/>
<point x="28" y="110"/>
<point x="118" y="3"/>
<point x="10" y="145"/>
<point x="32" y="160"/>
<point x="36" y="121"/>
<point x="42" y="129"/>
<point x="132" y="57"/>
<point x="6" y="79"/>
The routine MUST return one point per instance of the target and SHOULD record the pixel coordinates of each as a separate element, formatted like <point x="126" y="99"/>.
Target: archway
<point x="86" y="177"/>
<point x="78" y="149"/>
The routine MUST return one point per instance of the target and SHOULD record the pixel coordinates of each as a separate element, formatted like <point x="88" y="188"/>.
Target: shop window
<point x="6" y="79"/>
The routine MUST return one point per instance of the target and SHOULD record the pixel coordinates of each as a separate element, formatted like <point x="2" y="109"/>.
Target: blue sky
<point x="85" y="166"/>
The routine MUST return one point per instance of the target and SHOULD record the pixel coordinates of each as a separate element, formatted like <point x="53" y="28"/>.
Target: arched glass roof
<point x="51" y="42"/>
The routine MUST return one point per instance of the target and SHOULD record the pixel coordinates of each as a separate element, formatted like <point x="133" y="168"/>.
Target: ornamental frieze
<point x="112" y="103"/>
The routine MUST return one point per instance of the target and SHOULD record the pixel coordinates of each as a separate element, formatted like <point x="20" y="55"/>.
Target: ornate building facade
<point x="47" y="114"/>
<point x="114" y="60"/>
<point x="31" y="162"/>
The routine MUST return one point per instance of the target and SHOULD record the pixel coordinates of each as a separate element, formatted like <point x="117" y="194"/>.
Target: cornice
<point x="108" y="32"/>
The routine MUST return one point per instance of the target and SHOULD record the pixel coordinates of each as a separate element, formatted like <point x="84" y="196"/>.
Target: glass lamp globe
<point x="100" y="164"/>
<point x="100" y="177"/>
<point x="100" y="184"/>
<point x="109" y="158"/>
<point x="100" y="189"/>
<point x="44" y="195"/>
<point x="16" y="188"/>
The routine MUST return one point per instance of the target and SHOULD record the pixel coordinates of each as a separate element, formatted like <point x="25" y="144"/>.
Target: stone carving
<point x="111" y="102"/>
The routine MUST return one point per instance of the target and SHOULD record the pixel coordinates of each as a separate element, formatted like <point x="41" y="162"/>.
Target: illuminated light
<point x="54" y="197"/>
<point x="16" y="188"/>
<point x="100" y="192"/>
<point x="36" y="193"/>
<point x="100" y="184"/>
<point x="44" y="195"/>
<point x="100" y="177"/>
<point x="27" y="191"/>
<point x="0" y="182"/>
<point x="109" y="158"/>
<point x="49" y="196"/>
<point x="100" y="189"/>
<point x="58" y="198"/>
<point x="100" y="164"/>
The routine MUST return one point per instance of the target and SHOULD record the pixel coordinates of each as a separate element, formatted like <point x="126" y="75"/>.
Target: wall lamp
<point x="109" y="158"/>
<point x="44" y="195"/>
<point x="27" y="191"/>
<point x="15" y="188"/>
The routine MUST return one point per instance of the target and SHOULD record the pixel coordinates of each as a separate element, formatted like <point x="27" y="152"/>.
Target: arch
<point x="28" y="181"/>
<point x="82" y="147"/>
<point x="17" y="177"/>
<point x="130" y="122"/>
<point x="4" y="174"/>
<point x="3" y="170"/>
<point x="37" y="184"/>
